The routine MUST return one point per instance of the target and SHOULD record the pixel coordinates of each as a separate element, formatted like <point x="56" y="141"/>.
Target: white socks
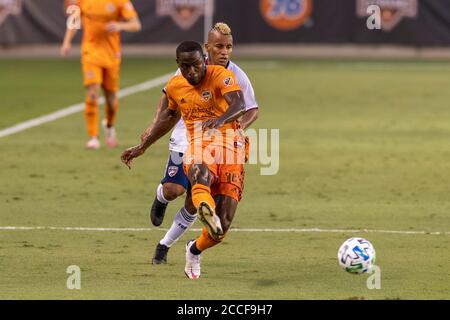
<point x="182" y="222"/>
<point x="160" y="194"/>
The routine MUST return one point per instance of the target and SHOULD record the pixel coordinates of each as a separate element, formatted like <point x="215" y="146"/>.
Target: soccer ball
<point x="356" y="255"/>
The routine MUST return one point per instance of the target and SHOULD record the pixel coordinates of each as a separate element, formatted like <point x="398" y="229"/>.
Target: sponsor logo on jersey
<point x="172" y="171"/>
<point x="185" y="13"/>
<point x="206" y="95"/>
<point x="286" y="15"/>
<point x="9" y="7"/>
<point x="229" y="81"/>
<point x="392" y="11"/>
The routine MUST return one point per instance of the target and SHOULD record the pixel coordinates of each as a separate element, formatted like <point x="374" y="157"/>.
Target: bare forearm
<point x="236" y="109"/>
<point x="165" y="119"/>
<point x="68" y="37"/>
<point x="158" y="130"/>
<point x="249" y="117"/>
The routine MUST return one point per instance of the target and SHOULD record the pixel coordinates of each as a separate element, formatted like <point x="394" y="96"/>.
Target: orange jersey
<point x="99" y="46"/>
<point x="204" y="101"/>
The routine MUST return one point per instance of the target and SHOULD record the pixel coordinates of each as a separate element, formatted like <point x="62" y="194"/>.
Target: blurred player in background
<point x="209" y="98"/>
<point x="102" y="21"/>
<point x="175" y="182"/>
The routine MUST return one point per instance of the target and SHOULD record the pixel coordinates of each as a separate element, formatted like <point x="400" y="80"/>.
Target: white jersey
<point x="178" y="140"/>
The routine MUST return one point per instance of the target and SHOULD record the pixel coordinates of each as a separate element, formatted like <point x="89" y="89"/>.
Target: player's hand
<point x="212" y="124"/>
<point x="131" y="153"/>
<point x="113" y="27"/>
<point x="65" y="49"/>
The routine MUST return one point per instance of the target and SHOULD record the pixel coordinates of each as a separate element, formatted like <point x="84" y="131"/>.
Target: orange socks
<point x="111" y="112"/>
<point x="205" y="241"/>
<point x="201" y="193"/>
<point x="91" y="117"/>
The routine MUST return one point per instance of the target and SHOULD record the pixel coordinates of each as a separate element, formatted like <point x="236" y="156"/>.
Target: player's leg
<point x="183" y="221"/>
<point x="91" y="115"/>
<point x="228" y="193"/>
<point x="111" y="107"/>
<point x="201" y="179"/>
<point x="92" y="78"/>
<point x="172" y="186"/>
<point x="225" y="209"/>
<point x="110" y="88"/>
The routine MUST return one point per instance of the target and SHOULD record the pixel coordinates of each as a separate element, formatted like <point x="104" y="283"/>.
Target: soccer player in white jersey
<point x="175" y="183"/>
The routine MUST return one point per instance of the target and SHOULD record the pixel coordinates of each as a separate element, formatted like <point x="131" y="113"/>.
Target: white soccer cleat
<point x="192" y="267"/>
<point x="210" y="220"/>
<point x="110" y="134"/>
<point x="93" y="144"/>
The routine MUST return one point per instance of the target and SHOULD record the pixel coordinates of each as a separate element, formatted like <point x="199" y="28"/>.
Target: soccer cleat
<point x="192" y="267"/>
<point x="110" y="135"/>
<point x="160" y="256"/>
<point x="93" y="144"/>
<point x="158" y="212"/>
<point x="211" y="221"/>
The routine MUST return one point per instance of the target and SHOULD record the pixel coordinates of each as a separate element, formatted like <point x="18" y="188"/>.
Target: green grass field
<point x="363" y="145"/>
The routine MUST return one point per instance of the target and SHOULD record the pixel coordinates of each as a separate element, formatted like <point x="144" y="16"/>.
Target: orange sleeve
<point x="127" y="10"/>
<point x="226" y="81"/>
<point x="168" y="91"/>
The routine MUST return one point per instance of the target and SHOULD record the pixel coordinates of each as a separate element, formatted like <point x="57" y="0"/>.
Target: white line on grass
<point x="147" y="85"/>
<point x="291" y="230"/>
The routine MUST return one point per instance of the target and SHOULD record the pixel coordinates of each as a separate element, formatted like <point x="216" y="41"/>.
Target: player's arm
<point x="235" y="100"/>
<point x="163" y="123"/>
<point x="130" y="25"/>
<point x="168" y="124"/>
<point x="67" y="42"/>
<point x="249" y="117"/>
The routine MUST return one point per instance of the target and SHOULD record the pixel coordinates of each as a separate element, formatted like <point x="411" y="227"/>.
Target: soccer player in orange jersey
<point x="102" y="21"/>
<point x="209" y="96"/>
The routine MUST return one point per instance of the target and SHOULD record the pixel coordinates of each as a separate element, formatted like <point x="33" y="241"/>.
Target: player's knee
<point x="201" y="174"/>
<point x="173" y="191"/>
<point x="92" y="94"/>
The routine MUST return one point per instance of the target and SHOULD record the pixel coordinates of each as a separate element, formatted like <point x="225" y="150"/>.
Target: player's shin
<point x="183" y="221"/>
<point x="91" y="115"/>
<point x="201" y="193"/>
<point x="111" y="112"/>
<point x="205" y="241"/>
<point x="206" y="206"/>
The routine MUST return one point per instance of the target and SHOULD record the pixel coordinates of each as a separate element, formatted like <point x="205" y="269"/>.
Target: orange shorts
<point x="107" y="77"/>
<point x="228" y="177"/>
